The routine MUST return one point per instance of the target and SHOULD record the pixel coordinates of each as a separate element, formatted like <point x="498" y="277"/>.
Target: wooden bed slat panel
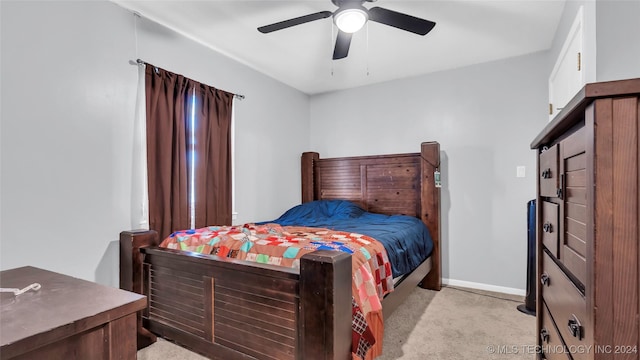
<point x="196" y="343"/>
<point x="191" y="307"/>
<point x="344" y="194"/>
<point x="164" y="274"/>
<point x="393" y="197"/>
<point x="385" y="208"/>
<point x="187" y="303"/>
<point x="342" y="172"/>
<point x="287" y="330"/>
<point x="277" y="287"/>
<point x="170" y="320"/>
<point x="283" y="318"/>
<point x="173" y="318"/>
<point x="393" y="178"/>
<point x="393" y="189"/>
<point x="166" y="298"/>
<point x="187" y="312"/>
<point x="174" y="286"/>
<point x="241" y="326"/>
<point x="250" y="351"/>
<point x="282" y="281"/>
<point x="276" y="307"/>
<point x="391" y="182"/>
<point x="258" y="340"/>
<point x="201" y="264"/>
<point x="280" y="292"/>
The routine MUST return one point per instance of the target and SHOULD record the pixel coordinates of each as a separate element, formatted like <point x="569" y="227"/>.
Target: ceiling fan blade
<point x="343" y="41"/>
<point x="295" y="21"/>
<point x="401" y="21"/>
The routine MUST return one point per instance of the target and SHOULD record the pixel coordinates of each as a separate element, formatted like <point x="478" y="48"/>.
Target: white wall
<point x="618" y="39"/>
<point x="484" y="117"/>
<point x="68" y="95"/>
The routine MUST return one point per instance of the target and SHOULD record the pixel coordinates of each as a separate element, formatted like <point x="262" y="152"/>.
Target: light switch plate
<point x="520" y="171"/>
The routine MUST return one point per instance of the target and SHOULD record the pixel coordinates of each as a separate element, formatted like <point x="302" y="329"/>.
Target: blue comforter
<point x="406" y="239"/>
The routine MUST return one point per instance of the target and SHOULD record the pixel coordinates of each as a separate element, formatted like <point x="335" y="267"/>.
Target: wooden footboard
<point x="232" y="309"/>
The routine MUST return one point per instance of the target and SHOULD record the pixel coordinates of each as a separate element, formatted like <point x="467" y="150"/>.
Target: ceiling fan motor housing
<point x="340" y="3"/>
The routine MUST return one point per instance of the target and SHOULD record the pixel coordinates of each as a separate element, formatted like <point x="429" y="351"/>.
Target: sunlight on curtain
<point x="139" y="191"/>
<point x="192" y="161"/>
<point x="234" y="212"/>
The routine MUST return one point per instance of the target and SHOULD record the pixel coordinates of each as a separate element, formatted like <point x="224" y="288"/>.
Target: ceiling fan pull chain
<point x="367" y="48"/>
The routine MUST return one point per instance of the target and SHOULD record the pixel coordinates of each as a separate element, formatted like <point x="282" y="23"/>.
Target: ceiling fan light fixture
<point x="350" y="19"/>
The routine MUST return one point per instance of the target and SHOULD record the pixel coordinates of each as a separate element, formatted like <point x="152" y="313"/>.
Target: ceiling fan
<point x="351" y="17"/>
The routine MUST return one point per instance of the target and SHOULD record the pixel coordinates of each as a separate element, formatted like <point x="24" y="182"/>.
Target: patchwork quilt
<point x="285" y="245"/>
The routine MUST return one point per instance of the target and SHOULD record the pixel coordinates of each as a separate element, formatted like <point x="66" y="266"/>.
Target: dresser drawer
<point x="551" y="343"/>
<point x="549" y="226"/>
<point x="549" y="172"/>
<point x="566" y="305"/>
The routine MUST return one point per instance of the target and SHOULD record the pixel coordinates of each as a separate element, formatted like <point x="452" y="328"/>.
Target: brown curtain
<point x="213" y="159"/>
<point x="168" y="98"/>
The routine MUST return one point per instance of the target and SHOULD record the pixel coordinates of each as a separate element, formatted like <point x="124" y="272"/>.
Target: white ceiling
<point x="466" y="32"/>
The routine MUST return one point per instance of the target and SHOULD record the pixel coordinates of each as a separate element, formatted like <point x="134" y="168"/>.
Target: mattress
<point x="405" y="238"/>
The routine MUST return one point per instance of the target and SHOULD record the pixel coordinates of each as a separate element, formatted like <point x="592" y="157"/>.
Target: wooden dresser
<point x="66" y="319"/>
<point x="588" y="252"/>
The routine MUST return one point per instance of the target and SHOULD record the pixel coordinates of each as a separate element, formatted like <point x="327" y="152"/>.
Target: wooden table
<point x="67" y="318"/>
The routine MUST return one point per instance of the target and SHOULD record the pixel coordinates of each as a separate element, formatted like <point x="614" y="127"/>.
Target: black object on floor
<point x="529" y="306"/>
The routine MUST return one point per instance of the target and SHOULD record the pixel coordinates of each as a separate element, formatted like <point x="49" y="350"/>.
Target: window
<point x="189" y="157"/>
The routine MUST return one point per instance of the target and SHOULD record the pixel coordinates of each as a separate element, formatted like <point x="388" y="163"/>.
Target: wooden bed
<point x="231" y="309"/>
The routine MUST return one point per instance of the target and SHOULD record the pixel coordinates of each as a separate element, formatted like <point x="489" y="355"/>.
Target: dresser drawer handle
<point x="575" y="328"/>
<point x="547" y="227"/>
<point x="544" y="335"/>
<point x="545" y="279"/>
<point x="546" y="174"/>
<point x="560" y="191"/>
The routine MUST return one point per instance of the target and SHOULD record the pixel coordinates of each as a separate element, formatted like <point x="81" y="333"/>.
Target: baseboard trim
<point x="485" y="287"/>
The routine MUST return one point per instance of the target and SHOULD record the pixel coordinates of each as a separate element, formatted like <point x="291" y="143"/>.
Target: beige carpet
<point x="452" y="324"/>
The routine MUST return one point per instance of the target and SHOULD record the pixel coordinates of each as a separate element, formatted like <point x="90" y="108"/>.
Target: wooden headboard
<point x="386" y="184"/>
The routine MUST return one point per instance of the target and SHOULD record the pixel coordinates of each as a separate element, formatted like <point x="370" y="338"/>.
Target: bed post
<point x="131" y="272"/>
<point x="430" y="206"/>
<point x="325" y="306"/>
<point x="308" y="179"/>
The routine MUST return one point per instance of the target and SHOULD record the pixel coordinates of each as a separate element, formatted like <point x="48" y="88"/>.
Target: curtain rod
<point x="142" y="62"/>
